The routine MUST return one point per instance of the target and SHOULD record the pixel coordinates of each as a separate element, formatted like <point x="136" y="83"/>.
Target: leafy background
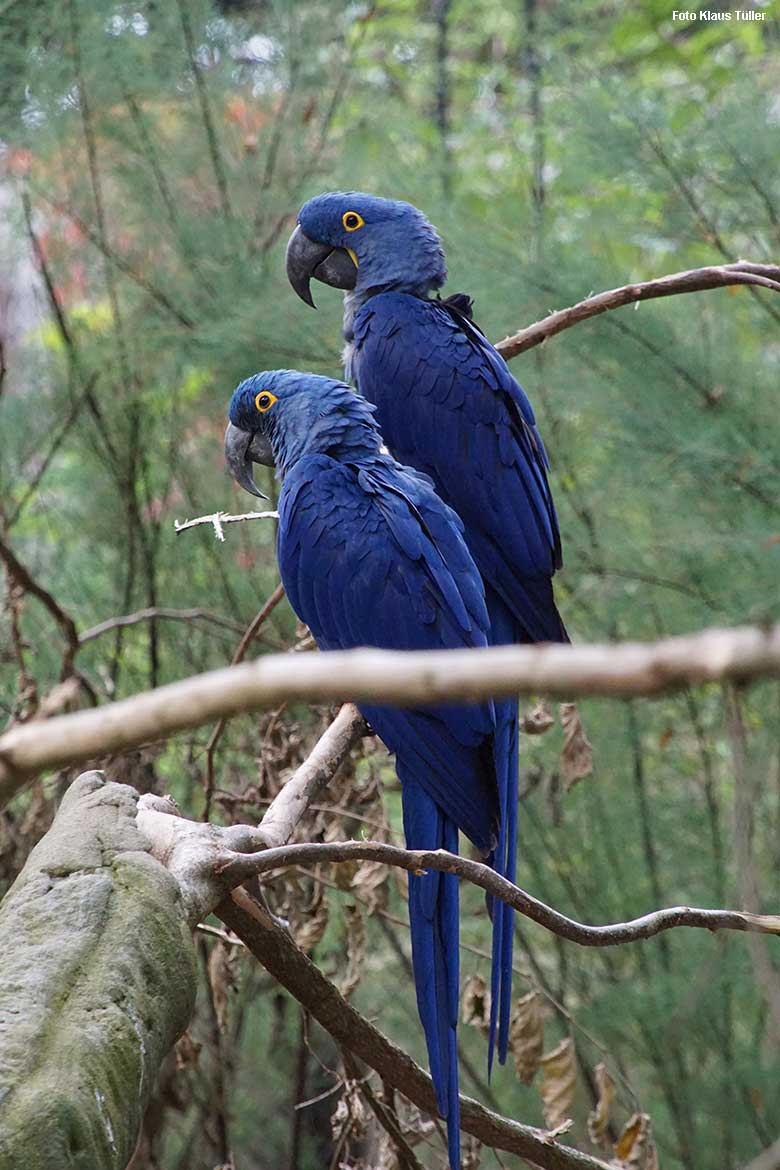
<point x="153" y="159"/>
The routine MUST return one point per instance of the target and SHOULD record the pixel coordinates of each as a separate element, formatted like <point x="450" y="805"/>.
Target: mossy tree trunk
<point x="97" y="981"/>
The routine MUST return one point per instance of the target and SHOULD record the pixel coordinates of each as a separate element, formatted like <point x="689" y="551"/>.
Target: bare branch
<point x="217" y="519"/>
<point x="395" y="677"/>
<point x="277" y="952"/>
<point x="28" y="584"/>
<point x="692" y="280"/>
<point x="157" y="613"/>
<point x="249" y="635"/>
<point x="417" y="861"/>
<point x="287" y="808"/>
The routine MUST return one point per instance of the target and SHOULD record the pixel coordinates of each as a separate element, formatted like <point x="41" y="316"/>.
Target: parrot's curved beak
<point x="306" y="259"/>
<point x="242" y="449"/>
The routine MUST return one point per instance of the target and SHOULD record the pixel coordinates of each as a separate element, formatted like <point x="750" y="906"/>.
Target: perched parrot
<point x="448" y="406"/>
<point x="370" y="556"/>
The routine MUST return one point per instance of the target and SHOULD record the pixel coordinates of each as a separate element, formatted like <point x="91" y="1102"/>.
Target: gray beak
<point x="306" y="259"/>
<point x="242" y="449"/>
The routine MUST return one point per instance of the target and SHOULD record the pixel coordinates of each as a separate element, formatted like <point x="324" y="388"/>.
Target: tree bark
<point x="97" y="981"/>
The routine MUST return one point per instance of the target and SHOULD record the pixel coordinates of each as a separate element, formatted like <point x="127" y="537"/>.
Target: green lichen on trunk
<point x="97" y="981"/>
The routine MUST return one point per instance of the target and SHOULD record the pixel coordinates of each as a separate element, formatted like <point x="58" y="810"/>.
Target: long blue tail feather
<point x="434" y="922"/>
<point x="503" y="630"/>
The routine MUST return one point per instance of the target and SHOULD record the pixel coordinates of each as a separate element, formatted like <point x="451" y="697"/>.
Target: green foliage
<point x="598" y="145"/>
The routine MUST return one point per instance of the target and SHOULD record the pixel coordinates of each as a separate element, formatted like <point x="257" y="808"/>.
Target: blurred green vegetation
<point x="153" y="159"/>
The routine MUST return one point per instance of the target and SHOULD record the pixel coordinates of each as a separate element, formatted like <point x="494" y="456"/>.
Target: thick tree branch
<point x="400" y="677"/>
<point x="693" y="280"/>
<point x="277" y="952"/>
<point x="416" y="861"/>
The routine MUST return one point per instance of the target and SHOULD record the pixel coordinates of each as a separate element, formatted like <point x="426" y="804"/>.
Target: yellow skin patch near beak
<point x="352" y="256"/>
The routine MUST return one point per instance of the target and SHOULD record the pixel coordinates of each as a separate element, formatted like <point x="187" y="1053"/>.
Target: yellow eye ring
<point x="265" y="400"/>
<point x="352" y="221"/>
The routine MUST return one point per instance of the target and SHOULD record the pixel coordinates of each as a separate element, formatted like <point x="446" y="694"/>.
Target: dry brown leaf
<point x="635" y="1148"/>
<point x="577" y="754"/>
<point x="559" y="1080"/>
<point x="539" y="719"/>
<point x="371" y="880"/>
<point x="222" y="979"/>
<point x="356" y="949"/>
<point x="526" y="1035"/>
<point x="309" y="929"/>
<point x="598" y="1120"/>
<point x="476" y="1002"/>
<point x="187" y="1052"/>
<point x="343" y="871"/>
<point x="471" y="1152"/>
<point x="350" y="1114"/>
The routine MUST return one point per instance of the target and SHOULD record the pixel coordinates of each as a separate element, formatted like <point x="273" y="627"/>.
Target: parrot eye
<point x="352" y="221"/>
<point x="265" y="400"/>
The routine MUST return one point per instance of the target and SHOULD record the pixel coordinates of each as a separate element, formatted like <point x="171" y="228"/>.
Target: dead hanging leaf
<point x="343" y="871"/>
<point x="401" y="879"/>
<point x="539" y="719"/>
<point x="471" y="1152"/>
<point x="222" y="978"/>
<point x="371" y="881"/>
<point x="309" y="929"/>
<point x="476" y="1002"/>
<point x="559" y="1079"/>
<point x="350" y="1114"/>
<point x="577" y="754"/>
<point x="598" y="1120"/>
<point x="187" y="1052"/>
<point x="526" y="1035"/>
<point x="415" y="1128"/>
<point x="635" y="1148"/>
<point x="356" y="949"/>
<point x="666" y="737"/>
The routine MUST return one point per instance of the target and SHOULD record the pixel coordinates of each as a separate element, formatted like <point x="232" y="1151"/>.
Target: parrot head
<point x="277" y="416"/>
<point x="360" y="242"/>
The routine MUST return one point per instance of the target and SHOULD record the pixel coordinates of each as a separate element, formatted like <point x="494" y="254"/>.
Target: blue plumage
<point x="370" y="556"/>
<point x="447" y="405"/>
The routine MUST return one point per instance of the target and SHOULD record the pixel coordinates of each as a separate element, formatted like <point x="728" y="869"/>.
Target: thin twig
<point x="692" y="280"/>
<point x="217" y="519"/>
<point x="205" y="110"/>
<point x="158" y="613"/>
<point x="249" y="635"/>
<point x="28" y="584"/>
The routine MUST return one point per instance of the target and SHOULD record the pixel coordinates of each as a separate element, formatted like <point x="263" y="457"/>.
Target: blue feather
<point x="447" y="404"/>
<point x="370" y="556"/>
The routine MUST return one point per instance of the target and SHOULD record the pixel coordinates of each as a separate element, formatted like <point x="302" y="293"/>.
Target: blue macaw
<point x="448" y="406"/>
<point x="370" y="556"/>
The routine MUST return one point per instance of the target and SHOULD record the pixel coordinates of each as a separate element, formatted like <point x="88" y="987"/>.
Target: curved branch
<point x="692" y="280"/>
<point x="28" y="584"/>
<point x="416" y="861"/>
<point x="395" y="677"/>
<point x="158" y="613"/>
<point x="277" y="952"/>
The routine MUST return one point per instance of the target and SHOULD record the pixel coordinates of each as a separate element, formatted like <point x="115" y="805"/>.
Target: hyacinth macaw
<point x="370" y="556"/>
<point x="448" y="406"/>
